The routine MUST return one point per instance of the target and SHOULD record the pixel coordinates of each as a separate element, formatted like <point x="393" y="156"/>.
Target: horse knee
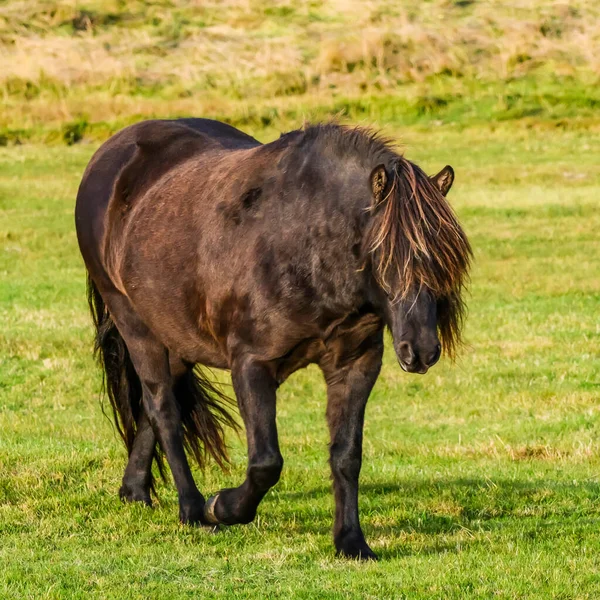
<point x="265" y="473"/>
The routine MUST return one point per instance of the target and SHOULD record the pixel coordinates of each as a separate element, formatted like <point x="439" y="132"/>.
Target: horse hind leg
<point x="150" y="359"/>
<point x="138" y="481"/>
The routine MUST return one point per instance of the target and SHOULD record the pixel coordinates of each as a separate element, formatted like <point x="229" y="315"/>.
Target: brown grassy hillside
<point x="69" y="68"/>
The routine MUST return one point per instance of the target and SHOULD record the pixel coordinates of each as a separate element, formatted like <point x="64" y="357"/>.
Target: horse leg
<point x="348" y="389"/>
<point x="137" y="478"/>
<point x="151" y="362"/>
<point x="255" y="389"/>
<point x="135" y="486"/>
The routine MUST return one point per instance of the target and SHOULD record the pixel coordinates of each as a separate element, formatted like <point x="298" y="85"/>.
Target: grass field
<point x="480" y="479"/>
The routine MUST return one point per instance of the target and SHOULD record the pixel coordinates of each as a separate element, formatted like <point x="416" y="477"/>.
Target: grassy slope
<point x="479" y="478"/>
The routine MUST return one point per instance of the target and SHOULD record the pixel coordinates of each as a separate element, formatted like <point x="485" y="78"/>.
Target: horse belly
<point x="177" y="323"/>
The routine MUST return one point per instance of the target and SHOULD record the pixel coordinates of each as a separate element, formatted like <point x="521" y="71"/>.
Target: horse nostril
<point x="435" y="356"/>
<point x="405" y="353"/>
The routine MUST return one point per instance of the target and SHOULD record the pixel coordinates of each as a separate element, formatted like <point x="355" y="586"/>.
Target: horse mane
<point x="416" y="241"/>
<point x="366" y="144"/>
<point x="414" y="237"/>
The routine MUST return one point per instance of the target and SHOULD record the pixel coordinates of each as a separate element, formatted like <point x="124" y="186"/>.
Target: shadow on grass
<point x="417" y="516"/>
<point x="466" y="509"/>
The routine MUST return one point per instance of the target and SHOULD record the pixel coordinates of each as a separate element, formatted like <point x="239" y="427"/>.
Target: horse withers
<point x="204" y="247"/>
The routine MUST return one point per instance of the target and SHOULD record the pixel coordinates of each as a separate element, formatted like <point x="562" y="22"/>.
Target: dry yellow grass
<point x="108" y="60"/>
<point x="92" y="42"/>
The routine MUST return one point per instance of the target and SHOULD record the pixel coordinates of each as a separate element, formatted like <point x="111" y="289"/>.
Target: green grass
<point x="480" y="479"/>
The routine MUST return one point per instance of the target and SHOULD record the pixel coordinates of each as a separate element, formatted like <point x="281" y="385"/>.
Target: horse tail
<point x="205" y="416"/>
<point x="203" y="408"/>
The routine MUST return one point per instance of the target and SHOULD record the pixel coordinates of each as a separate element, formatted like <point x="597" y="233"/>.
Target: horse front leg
<point x="255" y="389"/>
<point x="348" y="389"/>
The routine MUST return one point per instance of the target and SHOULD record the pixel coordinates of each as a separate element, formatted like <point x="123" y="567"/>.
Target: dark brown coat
<point x="205" y="247"/>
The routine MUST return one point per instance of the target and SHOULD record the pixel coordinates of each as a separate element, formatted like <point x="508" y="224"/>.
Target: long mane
<point x="413" y="238"/>
<point x="416" y="241"/>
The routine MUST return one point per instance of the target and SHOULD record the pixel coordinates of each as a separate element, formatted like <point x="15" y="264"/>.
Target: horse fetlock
<point x="266" y="473"/>
<point x="346" y="466"/>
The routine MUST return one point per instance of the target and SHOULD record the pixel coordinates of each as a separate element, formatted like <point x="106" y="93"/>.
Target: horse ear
<point x="444" y="179"/>
<point x="379" y="180"/>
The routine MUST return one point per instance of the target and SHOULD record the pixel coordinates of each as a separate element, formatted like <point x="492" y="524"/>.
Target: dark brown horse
<point x="204" y="247"/>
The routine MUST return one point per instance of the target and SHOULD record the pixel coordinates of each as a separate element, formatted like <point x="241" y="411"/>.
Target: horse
<point x="206" y="249"/>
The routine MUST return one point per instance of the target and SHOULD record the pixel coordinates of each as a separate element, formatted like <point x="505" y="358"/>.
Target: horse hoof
<point x="364" y="553"/>
<point x="213" y="529"/>
<point x="128" y="494"/>
<point x="209" y="511"/>
<point x="355" y="547"/>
